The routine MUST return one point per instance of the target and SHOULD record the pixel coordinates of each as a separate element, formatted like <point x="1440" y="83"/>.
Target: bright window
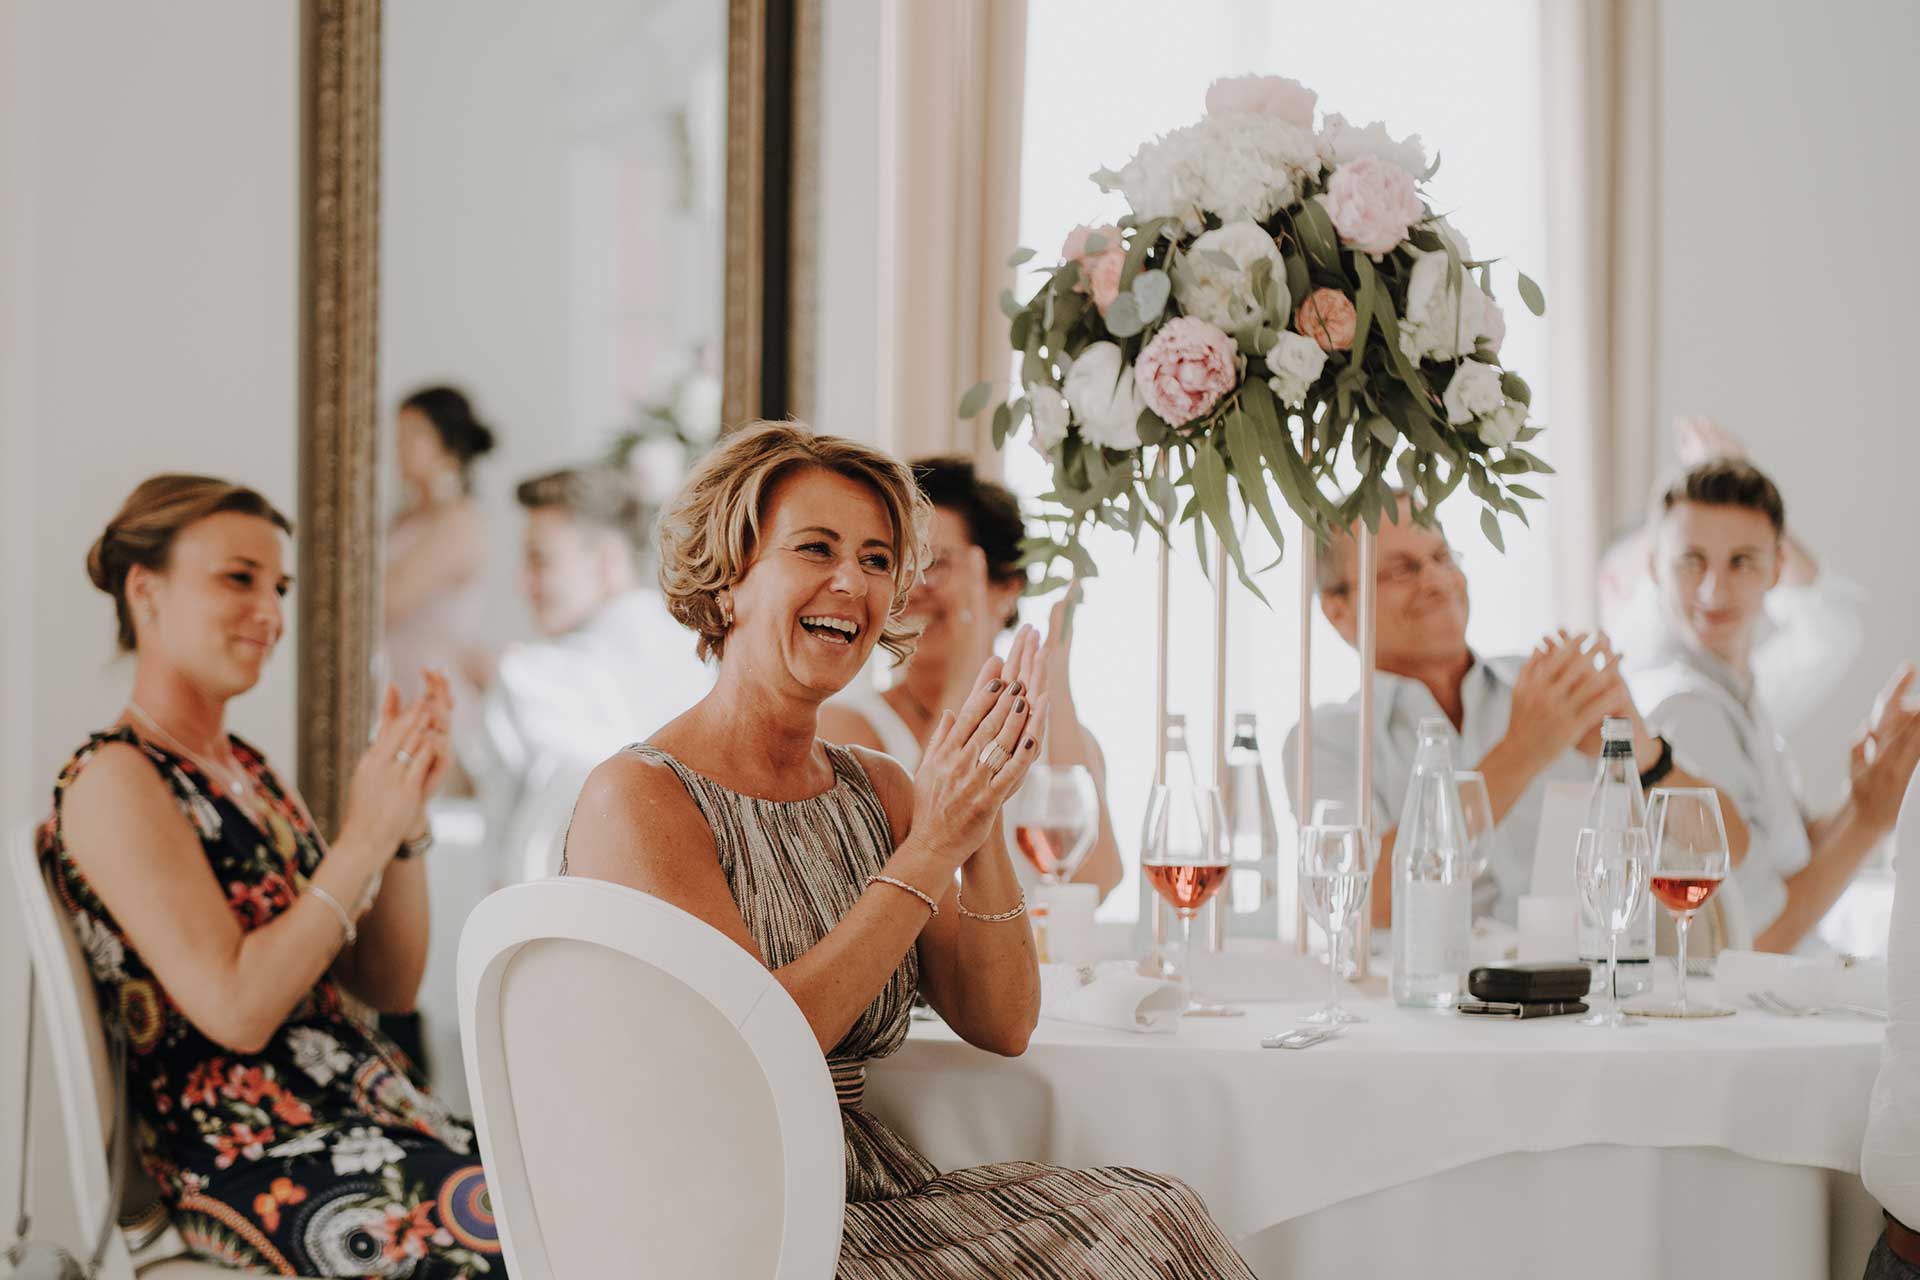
<point x="1101" y="78"/>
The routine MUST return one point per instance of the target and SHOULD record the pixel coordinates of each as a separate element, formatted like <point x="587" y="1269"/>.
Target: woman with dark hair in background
<point x="970" y="594"/>
<point x="436" y="546"/>
<point x="225" y="936"/>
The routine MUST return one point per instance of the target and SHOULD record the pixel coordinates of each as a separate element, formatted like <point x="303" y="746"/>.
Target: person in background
<point x="1719" y="548"/>
<point x="969" y="595"/>
<point x="1523" y="722"/>
<point x="1806" y="639"/>
<point x="436" y="547"/>
<point x="791" y="554"/>
<point x="230" y="945"/>
<point x="610" y="660"/>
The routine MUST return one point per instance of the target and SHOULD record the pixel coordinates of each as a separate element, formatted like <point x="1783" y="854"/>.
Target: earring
<point x="726" y="610"/>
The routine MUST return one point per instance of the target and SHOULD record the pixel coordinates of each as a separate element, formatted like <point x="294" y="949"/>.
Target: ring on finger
<point x="404" y="756"/>
<point x="993" y="755"/>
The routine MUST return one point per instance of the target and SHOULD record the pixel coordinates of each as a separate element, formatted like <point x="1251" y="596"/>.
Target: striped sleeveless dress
<point x="795" y="868"/>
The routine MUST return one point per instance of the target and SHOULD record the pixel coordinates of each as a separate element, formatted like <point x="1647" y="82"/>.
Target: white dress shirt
<point x="1720" y="730"/>
<point x="1399" y="705"/>
<point x="1890" y="1156"/>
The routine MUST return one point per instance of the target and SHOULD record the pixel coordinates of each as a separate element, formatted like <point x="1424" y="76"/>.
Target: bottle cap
<point x="1616" y="729"/>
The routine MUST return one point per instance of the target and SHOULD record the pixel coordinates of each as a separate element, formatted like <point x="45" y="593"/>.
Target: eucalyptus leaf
<point x="1490" y="525"/>
<point x="1515" y="388"/>
<point x="1299" y="283"/>
<point x="1010" y="306"/>
<point x="1244" y="446"/>
<point x="1150" y="292"/>
<point x="1524" y="492"/>
<point x="1124" y="318"/>
<point x="1020" y="257"/>
<point x="1531" y="295"/>
<point x="1153" y="431"/>
<point x="1219" y="258"/>
<point x="1366" y="298"/>
<point x="1317" y="237"/>
<point x="1002" y="423"/>
<point x="975" y="399"/>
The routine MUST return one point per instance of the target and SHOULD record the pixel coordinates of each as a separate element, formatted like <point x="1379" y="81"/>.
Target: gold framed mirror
<point x="764" y="243"/>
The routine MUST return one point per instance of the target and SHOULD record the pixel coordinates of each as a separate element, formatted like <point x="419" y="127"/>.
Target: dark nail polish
<point x="1029" y="744"/>
<point x="994" y="686"/>
<point x="1019" y="704"/>
<point x="1019" y="686"/>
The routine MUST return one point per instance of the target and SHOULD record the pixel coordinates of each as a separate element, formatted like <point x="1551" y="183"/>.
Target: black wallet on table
<point x="1525" y="983"/>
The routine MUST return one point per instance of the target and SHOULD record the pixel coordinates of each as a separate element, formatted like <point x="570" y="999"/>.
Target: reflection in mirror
<point x="552" y="192"/>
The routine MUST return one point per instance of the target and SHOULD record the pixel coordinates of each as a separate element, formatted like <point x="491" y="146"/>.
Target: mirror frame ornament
<point x="773" y="61"/>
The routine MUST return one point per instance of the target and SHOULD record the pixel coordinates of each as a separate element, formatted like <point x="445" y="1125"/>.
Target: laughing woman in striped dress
<point x="790" y="555"/>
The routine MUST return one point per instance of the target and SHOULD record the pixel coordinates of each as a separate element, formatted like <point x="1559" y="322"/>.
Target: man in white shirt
<point x="1523" y="722"/>
<point x="612" y="665"/>
<point x="1890" y="1155"/>
<point x="1718" y="551"/>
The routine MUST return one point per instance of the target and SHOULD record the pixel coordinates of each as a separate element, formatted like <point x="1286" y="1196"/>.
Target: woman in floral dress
<point x="233" y="950"/>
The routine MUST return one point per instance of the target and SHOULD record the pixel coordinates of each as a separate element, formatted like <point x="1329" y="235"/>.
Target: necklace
<point x="232" y="777"/>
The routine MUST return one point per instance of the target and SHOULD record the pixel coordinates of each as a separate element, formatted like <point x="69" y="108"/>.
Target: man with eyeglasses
<point x="1719" y="548"/>
<point x="1523" y="722"/>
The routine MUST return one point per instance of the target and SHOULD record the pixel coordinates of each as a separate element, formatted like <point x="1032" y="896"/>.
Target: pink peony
<point x="1099" y="270"/>
<point x="1372" y="203"/>
<point x="1327" y="317"/>
<point x="1275" y="96"/>
<point x="1185" y="370"/>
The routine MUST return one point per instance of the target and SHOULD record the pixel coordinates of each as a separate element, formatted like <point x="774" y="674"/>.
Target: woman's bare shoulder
<point x="893" y="784"/>
<point x="634" y="816"/>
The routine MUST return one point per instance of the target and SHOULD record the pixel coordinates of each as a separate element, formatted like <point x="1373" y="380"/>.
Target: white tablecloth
<point x="1269" y="1136"/>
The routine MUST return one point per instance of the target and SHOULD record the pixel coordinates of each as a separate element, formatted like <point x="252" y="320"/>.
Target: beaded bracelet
<point x="902" y="884"/>
<point x="1019" y="908"/>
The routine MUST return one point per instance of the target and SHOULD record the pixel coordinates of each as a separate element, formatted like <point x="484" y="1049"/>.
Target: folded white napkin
<point x="1110" y="995"/>
<point x="1814" y="981"/>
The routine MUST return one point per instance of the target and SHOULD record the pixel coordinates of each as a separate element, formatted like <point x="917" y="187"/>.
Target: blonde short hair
<point x="709" y="533"/>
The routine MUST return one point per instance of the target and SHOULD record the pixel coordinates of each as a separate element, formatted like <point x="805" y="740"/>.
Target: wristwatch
<point x="1654" y="776"/>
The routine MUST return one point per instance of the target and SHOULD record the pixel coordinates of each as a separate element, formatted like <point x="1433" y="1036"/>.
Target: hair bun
<point x="100" y="563"/>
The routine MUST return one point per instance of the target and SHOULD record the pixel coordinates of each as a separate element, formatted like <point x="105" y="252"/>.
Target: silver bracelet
<point x="415" y="847"/>
<point x="902" y="884"/>
<point x="346" y="921"/>
<point x="1019" y="908"/>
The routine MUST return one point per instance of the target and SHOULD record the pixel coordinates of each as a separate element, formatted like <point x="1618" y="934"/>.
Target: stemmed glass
<point x="1053" y="819"/>
<point x="1610" y="867"/>
<point x="1336" y="875"/>
<point x="1690" y="859"/>
<point x="1184" y="855"/>
<point x="1476" y="811"/>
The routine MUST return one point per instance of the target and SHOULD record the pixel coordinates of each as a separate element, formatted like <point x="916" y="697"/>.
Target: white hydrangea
<point x="1104" y="399"/>
<point x="1235" y="166"/>
<point x="1221" y="296"/>
<point x="1050" y="414"/>
<point x="1162" y="181"/>
<point x="1295" y="361"/>
<point x="1341" y="142"/>
<point x="1250" y="165"/>
<point x="1472" y="392"/>
<point x="1442" y="323"/>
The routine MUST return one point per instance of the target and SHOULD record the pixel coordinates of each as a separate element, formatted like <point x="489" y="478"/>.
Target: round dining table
<point x="1432" y="1143"/>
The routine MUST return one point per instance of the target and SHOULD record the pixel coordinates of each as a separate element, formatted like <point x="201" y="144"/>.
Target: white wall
<point x="148" y="321"/>
<point x="1788" y="286"/>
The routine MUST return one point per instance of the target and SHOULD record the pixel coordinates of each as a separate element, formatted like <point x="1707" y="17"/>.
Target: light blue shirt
<point x="1720" y="729"/>
<point x="1399" y="704"/>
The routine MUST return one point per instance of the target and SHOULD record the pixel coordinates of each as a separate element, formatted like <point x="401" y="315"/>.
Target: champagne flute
<point x="1690" y="860"/>
<point x="1054" y="819"/>
<point x="1336" y="875"/>
<point x="1610" y="866"/>
<point x="1185" y="857"/>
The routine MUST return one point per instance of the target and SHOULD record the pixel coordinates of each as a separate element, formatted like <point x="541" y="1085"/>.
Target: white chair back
<point x="70" y="1022"/>
<point x="649" y="1100"/>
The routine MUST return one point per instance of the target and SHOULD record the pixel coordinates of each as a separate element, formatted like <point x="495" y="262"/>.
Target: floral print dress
<point x="320" y="1155"/>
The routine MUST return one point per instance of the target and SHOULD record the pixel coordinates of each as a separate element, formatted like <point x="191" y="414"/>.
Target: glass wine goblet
<point x="1690" y="860"/>
<point x="1054" y="819"/>
<point x="1336" y="875"/>
<point x="1185" y="857"/>
<point x="1610" y="867"/>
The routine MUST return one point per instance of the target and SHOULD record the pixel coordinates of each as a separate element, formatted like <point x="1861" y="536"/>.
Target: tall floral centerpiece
<point x="1281" y="307"/>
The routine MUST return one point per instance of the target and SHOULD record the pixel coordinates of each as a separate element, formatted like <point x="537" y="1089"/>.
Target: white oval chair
<point x="648" y="1098"/>
<point x="70" y="1020"/>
